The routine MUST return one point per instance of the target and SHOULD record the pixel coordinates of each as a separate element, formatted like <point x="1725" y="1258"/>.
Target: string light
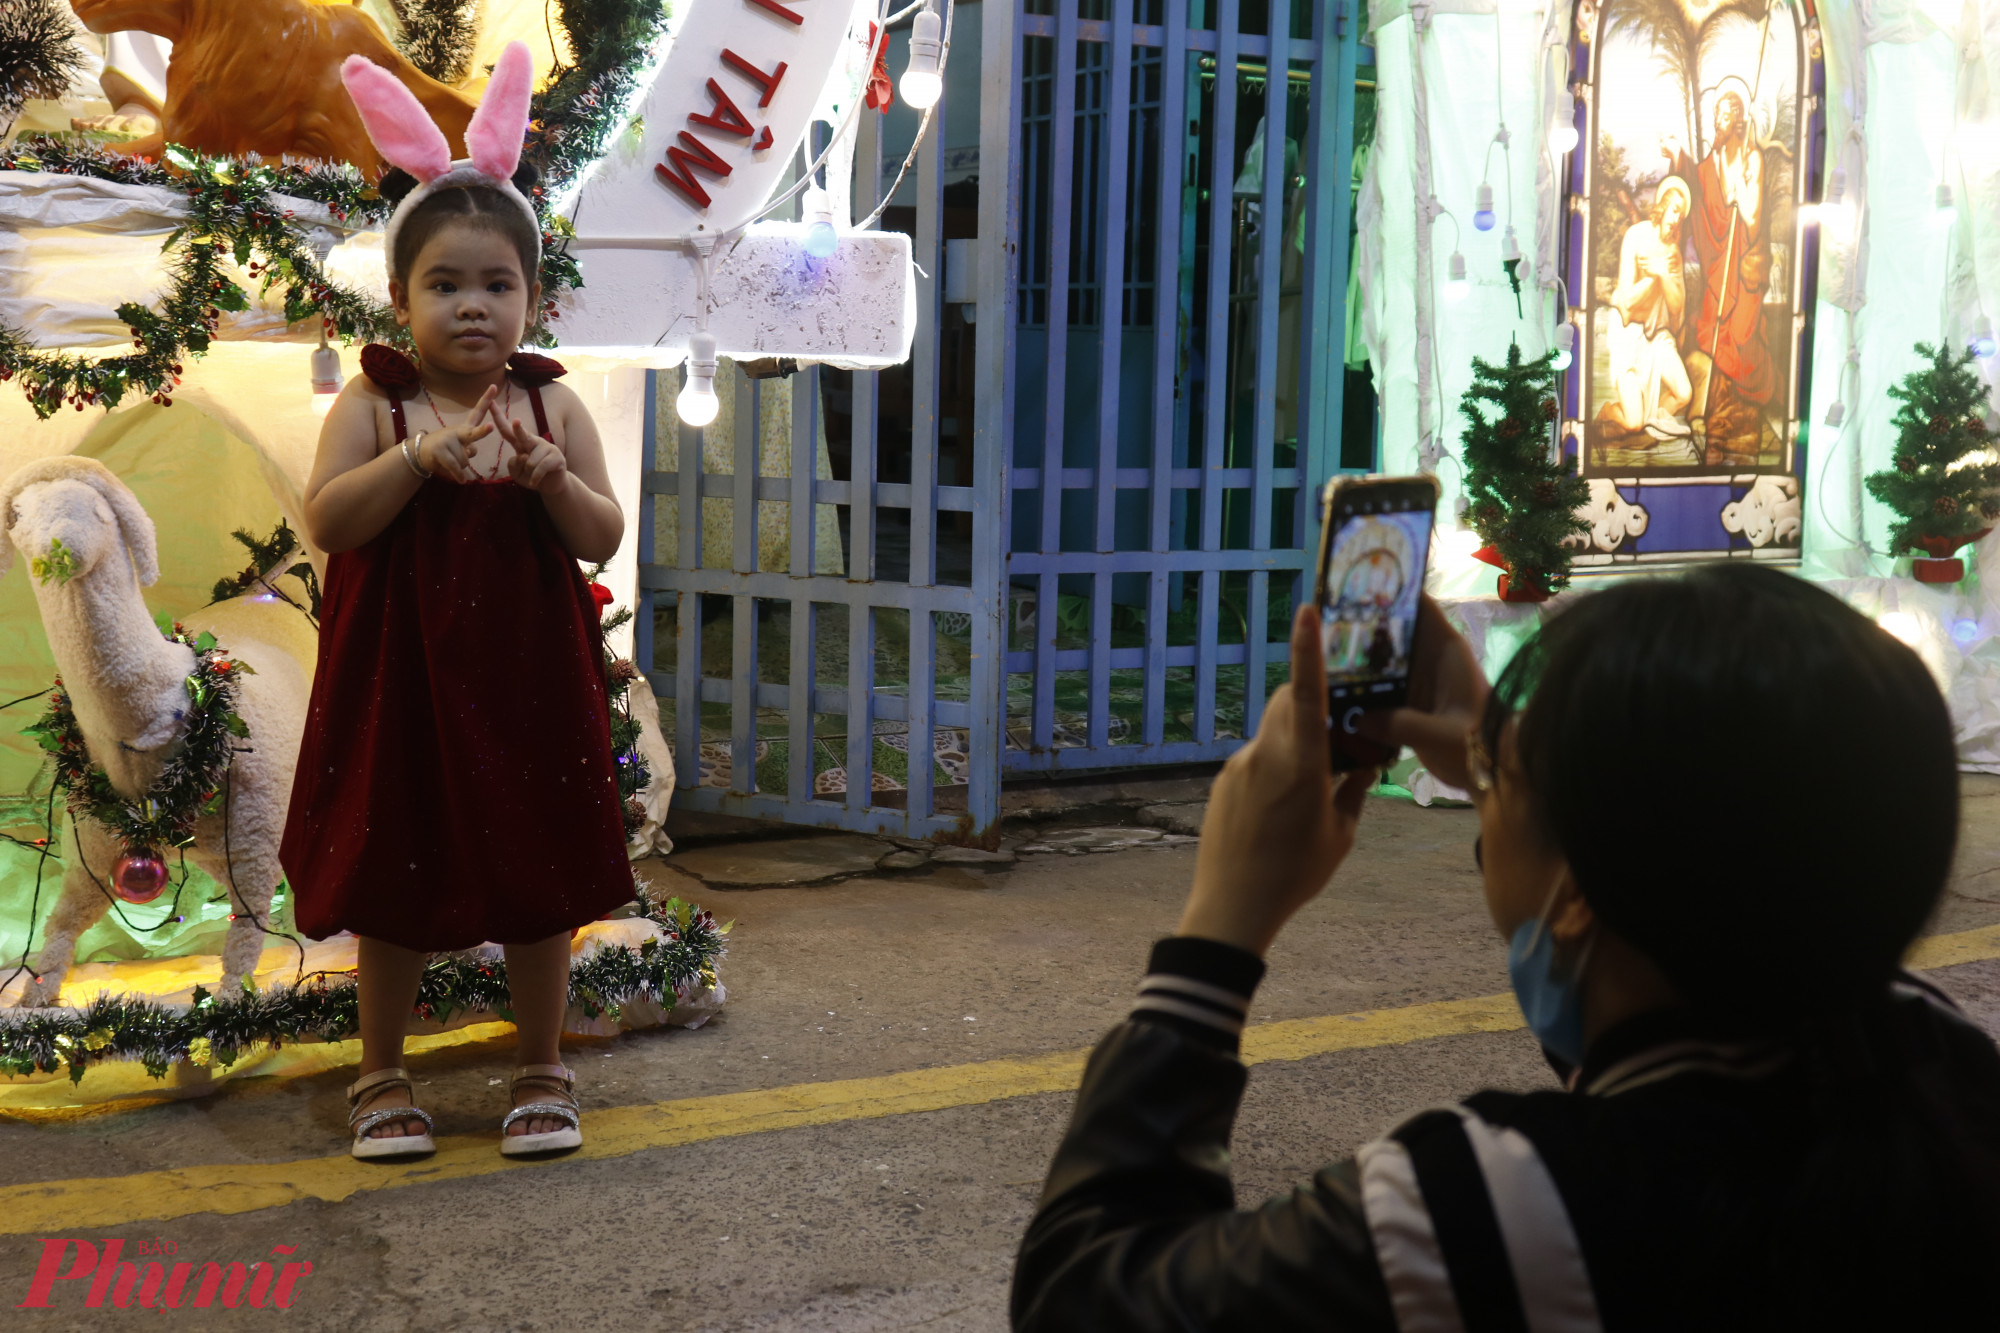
<point x="1981" y="344"/>
<point x="697" y="403"/>
<point x="821" y="237"/>
<point x="1482" y="207"/>
<point x="1565" y="345"/>
<point x="1947" y="206"/>
<point x="1455" y="283"/>
<point x="922" y="85"/>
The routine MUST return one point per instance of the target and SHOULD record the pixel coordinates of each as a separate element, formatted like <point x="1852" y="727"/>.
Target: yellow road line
<point x="56" y="1206"/>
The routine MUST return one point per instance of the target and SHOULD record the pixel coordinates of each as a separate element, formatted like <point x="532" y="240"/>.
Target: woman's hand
<point x="536" y="463"/>
<point x="448" y="452"/>
<point x="1279" y="822"/>
<point x="1447" y="695"/>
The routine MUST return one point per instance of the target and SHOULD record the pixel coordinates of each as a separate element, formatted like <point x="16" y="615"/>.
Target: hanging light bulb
<point x="697" y="403"/>
<point x="1510" y="248"/>
<point x="1455" y="284"/>
<point x="1482" y="205"/>
<point x="922" y="84"/>
<point x="821" y="237"/>
<point x="1565" y="345"/>
<point x="326" y="377"/>
<point x="1947" y="206"/>
<point x="1981" y="343"/>
<point x="1562" y="135"/>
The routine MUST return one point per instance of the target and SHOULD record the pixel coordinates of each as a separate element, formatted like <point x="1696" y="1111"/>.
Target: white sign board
<point x="725" y="115"/>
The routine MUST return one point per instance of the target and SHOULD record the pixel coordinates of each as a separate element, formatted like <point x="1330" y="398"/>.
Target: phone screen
<point x="1378" y="545"/>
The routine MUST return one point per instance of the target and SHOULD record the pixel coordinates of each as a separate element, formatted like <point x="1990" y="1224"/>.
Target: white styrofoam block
<point x="856" y="308"/>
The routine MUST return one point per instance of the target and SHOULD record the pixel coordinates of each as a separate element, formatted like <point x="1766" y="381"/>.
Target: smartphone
<point x="1374" y="546"/>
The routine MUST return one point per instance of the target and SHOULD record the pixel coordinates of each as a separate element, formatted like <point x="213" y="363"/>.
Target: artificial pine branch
<point x="438" y="35"/>
<point x="39" y="56"/>
<point x="1522" y="495"/>
<point x="1944" y="477"/>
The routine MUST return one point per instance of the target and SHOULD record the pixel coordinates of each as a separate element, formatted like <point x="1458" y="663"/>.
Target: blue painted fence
<point x="1146" y="432"/>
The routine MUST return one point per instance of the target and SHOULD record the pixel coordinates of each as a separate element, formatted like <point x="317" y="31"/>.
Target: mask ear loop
<point x="1542" y="924"/>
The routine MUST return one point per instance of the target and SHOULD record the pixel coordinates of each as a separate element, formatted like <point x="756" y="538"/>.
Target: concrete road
<point x="955" y="987"/>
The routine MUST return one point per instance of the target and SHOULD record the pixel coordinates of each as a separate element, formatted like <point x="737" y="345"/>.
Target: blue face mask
<point x="1550" y="996"/>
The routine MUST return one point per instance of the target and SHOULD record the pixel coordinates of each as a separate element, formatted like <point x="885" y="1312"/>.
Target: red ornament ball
<point x="139" y="876"/>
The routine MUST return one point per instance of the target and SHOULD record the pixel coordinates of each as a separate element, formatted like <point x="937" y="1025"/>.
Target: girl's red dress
<point x="455" y="781"/>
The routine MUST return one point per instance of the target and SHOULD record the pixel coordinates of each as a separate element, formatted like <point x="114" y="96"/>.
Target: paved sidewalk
<point x="842" y="1209"/>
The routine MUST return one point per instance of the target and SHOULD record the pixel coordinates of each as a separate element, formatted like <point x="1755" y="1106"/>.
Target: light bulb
<point x="326" y="379"/>
<point x="697" y="403"/>
<point x="922" y="84"/>
<point x="1947" y="207"/>
<point x="1981" y="343"/>
<point x="822" y="239"/>
<point x="1562" y="137"/>
<point x="1482" y="203"/>
<point x="1455" y="284"/>
<point x="1565" y="343"/>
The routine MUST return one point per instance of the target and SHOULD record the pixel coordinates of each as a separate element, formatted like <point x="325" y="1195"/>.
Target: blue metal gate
<point x="983" y="621"/>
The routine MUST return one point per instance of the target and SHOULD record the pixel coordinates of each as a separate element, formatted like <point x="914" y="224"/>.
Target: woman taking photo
<point x="1714" y="813"/>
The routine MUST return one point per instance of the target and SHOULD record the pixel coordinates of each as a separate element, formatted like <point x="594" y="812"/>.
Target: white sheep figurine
<point x="126" y="683"/>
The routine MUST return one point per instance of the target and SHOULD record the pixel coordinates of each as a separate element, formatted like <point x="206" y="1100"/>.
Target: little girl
<point x="455" y="782"/>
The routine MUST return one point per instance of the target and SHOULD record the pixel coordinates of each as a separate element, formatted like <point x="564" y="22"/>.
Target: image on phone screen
<point x="1374" y="580"/>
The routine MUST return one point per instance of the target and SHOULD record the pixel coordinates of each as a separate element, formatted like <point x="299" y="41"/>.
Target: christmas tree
<point x="1522" y="495"/>
<point x="1945" y="473"/>
<point x="38" y="52"/>
<point x="619" y="673"/>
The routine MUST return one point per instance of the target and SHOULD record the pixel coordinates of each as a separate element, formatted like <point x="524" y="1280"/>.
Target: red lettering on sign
<point x="764" y="140"/>
<point x="726" y="117"/>
<point x="767" y="82"/>
<point x="791" y="15"/>
<point x="678" y="171"/>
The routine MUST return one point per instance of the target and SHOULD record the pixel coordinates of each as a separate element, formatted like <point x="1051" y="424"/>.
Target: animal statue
<point x="263" y="76"/>
<point x="125" y="682"/>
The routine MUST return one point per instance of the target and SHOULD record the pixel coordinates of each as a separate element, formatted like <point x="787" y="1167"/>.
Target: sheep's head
<point x="67" y="515"/>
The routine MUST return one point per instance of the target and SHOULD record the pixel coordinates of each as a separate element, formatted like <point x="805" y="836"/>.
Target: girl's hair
<point x="1757" y="788"/>
<point x="468" y="205"/>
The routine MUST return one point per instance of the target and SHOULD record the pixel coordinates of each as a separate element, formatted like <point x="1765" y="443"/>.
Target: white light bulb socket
<point x="1945" y="202"/>
<point x="1566" y="337"/>
<point x="697" y="403"/>
<point x="921" y="83"/>
<point x="1455" y="267"/>
<point x="326" y="376"/>
<point x="1836" y="187"/>
<point x="1510" y="248"/>
<point x="1482" y="197"/>
<point x="1836" y="413"/>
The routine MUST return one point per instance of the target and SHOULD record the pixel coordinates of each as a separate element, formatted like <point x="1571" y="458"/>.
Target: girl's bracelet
<point x="412" y="451"/>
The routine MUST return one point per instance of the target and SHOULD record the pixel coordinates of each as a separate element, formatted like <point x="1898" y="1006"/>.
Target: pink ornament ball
<point x="139" y="876"/>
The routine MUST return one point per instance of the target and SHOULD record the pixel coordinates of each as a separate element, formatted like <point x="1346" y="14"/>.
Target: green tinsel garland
<point x="217" y="1030"/>
<point x="189" y="785"/>
<point x="232" y="211"/>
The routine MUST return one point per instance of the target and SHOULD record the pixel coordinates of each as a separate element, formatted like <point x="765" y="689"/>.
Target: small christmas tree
<point x="1944" y="475"/>
<point x="1522" y="495"/>
<point x="38" y="53"/>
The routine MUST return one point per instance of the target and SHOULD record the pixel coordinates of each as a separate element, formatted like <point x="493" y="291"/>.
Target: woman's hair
<point x="1756" y="787"/>
<point x="468" y="205"/>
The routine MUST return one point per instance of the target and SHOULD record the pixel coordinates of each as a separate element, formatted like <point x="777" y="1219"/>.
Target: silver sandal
<point x="362" y="1122"/>
<point x="555" y="1140"/>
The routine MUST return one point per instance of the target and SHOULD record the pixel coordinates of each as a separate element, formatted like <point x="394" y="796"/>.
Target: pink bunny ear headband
<point x="406" y="136"/>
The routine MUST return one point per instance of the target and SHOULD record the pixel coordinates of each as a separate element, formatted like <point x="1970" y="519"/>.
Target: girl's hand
<point x="536" y="463"/>
<point x="1279" y="821"/>
<point x="448" y="452"/>
<point x="1447" y="695"/>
